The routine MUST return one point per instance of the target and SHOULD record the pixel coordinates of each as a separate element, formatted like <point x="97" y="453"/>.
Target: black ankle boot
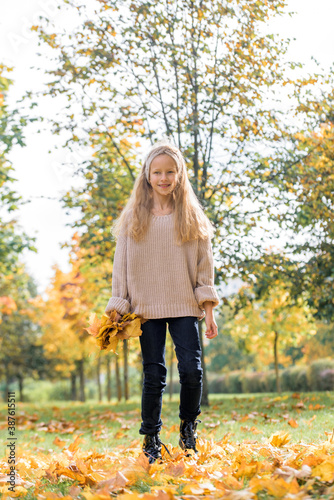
<point x="188" y="434"/>
<point x="152" y="447"/>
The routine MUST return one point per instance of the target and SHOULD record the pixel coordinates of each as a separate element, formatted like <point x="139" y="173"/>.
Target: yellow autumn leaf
<point x="279" y="439"/>
<point x="247" y="470"/>
<point x="107" y="328"/>
<point x="324" y="471"/>
<point x="108" y="332"/>
<point x="133" y="329"/>
<point x="278" y="488"/>
<point x="112" y="345"/>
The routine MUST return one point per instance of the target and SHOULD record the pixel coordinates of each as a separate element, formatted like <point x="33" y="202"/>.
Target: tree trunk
<point x="74" y="393"/>
<point x="205" y="393"/>
<point x="108" y="378"/>
<point x="125" y="369"/>
<point x="98" y="376"/>
<point x="278" y="383"/>
<point x="81" y="379"/>
<point x="118" y="380"/>
<point x="20" y="380"/>
<point x="171" y="359"/>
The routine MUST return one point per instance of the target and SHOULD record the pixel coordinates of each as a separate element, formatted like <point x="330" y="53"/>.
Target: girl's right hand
<point x="118" y="317"/>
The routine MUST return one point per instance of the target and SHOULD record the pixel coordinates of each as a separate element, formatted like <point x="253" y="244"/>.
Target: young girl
<point x="163" y="271"/>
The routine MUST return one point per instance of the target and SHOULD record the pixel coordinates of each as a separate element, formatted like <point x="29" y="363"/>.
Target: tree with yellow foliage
<point x="307" y="191"/>
<point x="271" y="323"/>
<point x="65" y="346"/>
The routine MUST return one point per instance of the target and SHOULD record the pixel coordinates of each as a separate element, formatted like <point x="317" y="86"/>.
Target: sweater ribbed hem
<point x="156" y="311"/>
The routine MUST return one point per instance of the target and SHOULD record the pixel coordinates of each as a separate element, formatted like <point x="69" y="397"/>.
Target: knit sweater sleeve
<point x="205" y="290"/>
<point x="119" y="299"/>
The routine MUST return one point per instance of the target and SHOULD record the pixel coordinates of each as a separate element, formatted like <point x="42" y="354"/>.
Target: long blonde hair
<point x="190" y="220"/>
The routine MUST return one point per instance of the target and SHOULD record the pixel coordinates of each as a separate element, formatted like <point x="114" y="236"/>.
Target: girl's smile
<point x="163" y="175"/>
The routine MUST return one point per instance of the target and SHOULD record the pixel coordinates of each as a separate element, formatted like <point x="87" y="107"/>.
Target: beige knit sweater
<point x="155" y="278"/>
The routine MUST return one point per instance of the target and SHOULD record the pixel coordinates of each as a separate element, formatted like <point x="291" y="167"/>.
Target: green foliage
<point x="99" y="201"/>
<point x="227" y="352"/>
<point x="60" y="391"/>
<point x="322" y="344"/>
<point x="12" y="244"/>
<point x="33" y="389"/>
<point x="12" y="240"/>
<point x="130" y="73"/>
<point x="272" y="322"/>
<point x="311" y="183"/>
<point x="133" y="72"/>
<point x="20" y="354"/>
<point x="18" y="333"/>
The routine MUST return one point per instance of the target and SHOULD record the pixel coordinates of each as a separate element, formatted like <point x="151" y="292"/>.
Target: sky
<point x="41" y="178"/>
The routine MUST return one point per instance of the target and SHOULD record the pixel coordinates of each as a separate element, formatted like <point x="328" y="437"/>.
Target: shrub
<point x="270" y="381"/>
<point x="294" y="379"/>
<point x="234" y="385"/>
<point x="319" y="376"/>
<point x="60" y="391"/>
<point x="326" y="380"/>
<point x="314" y="378"/>
<point x="38" y="390"/>
<point x="218" y="385"/>
<point x="176" y="387"/>
<point x="253" y="382"/>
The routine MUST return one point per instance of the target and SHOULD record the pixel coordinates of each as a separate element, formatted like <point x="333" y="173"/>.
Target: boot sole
<point x="151" y="458"/>
<point x="183" y="446"/>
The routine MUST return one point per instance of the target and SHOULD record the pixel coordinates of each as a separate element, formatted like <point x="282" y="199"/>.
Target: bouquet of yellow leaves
<point x="108" y="332"/>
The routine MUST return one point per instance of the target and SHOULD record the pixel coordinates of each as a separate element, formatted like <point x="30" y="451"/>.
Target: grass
<point x="103" y="425"/>
<point x="45" y="428"/>
<point x="58" y="488"/>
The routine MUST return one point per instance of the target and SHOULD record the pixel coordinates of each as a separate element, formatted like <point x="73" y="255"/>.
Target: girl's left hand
<point x="211" y="327"/>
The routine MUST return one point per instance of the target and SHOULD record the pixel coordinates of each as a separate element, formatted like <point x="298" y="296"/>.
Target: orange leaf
<point x="59" y="442"/>
<point x="7" y="305"/>
<point x="280" y="439"/>
<point x="316" y="407"/>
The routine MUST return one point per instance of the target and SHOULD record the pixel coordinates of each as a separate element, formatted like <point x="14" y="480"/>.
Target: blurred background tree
<point x="204" y="75"/>
<point x="210" y="78"/>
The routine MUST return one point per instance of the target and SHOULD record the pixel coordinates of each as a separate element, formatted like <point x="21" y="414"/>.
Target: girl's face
<point x="163" y="174"/>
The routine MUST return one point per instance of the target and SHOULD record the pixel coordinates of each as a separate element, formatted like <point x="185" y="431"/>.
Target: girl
<point x="163" y="271"/>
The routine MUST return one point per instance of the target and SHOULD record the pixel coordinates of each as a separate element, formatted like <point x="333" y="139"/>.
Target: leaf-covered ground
<point x="250" y="447"/>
